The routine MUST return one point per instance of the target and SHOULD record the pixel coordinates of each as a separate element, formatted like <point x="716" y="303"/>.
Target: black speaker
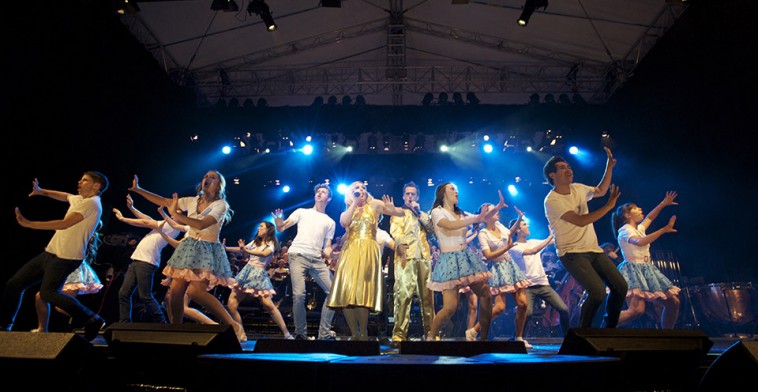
<point x="52" y="346"/>
<point x="652" y="358"/>
<point x="461" y="348"/>
<point x="53" y="357"/>
<point x="342" y="347"/>
<point x="732" y="368"/>
<point x="145" y="339"/>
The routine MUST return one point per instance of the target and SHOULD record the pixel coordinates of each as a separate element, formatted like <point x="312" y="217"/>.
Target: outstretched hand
<point x="135" y="184"/>
<point x="611" y="160"/>
<point x="118" y="214"/>
<point x="36" y="190"/>
<point x="277" y="214"/>
<point x="670" y="226"/>
<point x="614" y="197"/>
<point x="669" y="199"/>
<point x="20" y="218"/>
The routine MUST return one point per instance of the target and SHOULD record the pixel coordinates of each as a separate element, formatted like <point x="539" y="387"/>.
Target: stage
<point x="152" y="357"/>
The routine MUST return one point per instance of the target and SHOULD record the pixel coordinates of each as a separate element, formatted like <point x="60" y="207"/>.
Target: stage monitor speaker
<point x="50" y="355"/>
<point x="461" y="348"/>
<point x="157" y="339"/>
<point x="732" y="369"/>
<point x="652" y="358"/>
<point x="342" y="347"/>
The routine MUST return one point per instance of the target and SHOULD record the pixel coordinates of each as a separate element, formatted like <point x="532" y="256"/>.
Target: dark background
<point x="82" y="94"/>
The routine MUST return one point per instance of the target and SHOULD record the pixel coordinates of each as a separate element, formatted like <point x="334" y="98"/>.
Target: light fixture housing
<point x="529" y="7"/>
<point x="260" y="8"/>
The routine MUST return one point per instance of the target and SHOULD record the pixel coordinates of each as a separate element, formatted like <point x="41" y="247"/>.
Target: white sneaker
<point x="471" y="335"/>
<point x="35" y="330"/>
<point x="526" y="344"/>
<point x="289" y="337"/>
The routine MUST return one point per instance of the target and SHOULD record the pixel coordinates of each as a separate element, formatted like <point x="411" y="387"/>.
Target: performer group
<point x="444" y="249"/>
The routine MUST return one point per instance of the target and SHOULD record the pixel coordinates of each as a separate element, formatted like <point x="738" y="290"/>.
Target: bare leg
<point x="233" y="304"/>
<point x="177" y="289"/>
<point x="276" y="315"/>
<point x="362" y="314"/>
<point x="199" y="293"/>
<point x="43" y="313"/>
<point x="635" y="309"/>
<point x="352" y="321"/>
<point x="520" y="297"/>
<point x="482" y="290"/>
<point x="195" y="314"/>
<point x="670" y="312"/>
<point x="473" y="309"/>
<point x="449" y="306"/>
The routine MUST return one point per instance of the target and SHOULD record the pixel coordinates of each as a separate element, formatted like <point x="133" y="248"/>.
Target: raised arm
<point x="197" y="224"/>
<point x="540" y="246"/>
<point x="56" y="195"/>
<point x="280" y="223"/>
<point x="605" y="182"/>
<point x="389" y="208"/>
<point x="667" y="201"/>
<point x="171" y="222"/>
<point x="347" y="216"/>
<point x="648" y="239"/>
<point x="134" y="210"/>
<point x="59" y="224"/>
<point x="512" y="230"/>
<point x="591" y="217"/>
<point x="150" y="196"/>
<point x="171" y="241"/>
<point x="149" y="223"/>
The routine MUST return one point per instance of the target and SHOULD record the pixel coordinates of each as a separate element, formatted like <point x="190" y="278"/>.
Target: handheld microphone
<point x="357" y="194"/>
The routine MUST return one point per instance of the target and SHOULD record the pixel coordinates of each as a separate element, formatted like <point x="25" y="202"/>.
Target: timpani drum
<point x="731" y="303"/>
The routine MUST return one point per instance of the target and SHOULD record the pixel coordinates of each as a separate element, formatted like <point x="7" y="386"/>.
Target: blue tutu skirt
<point x="646" y="281"/>
<point x="195" y="260"/>
<point x="507" y="277"/>
<point x="458" y="269"/>
<point x="84" y="280"/>
<point x="254" y="280"/>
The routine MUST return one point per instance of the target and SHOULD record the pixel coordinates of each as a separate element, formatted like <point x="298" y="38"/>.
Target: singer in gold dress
<point x="358" y="284"/>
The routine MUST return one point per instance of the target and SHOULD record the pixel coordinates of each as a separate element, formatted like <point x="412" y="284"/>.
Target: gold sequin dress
<point x="358" y="280"/>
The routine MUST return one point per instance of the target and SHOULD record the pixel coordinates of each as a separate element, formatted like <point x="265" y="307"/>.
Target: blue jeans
<point x="317" y="269"/>
<point x="550" y="296"/>
<point x="593" y="271"/>
<point x="51" y="272"/>
<point x="139" y="275"/>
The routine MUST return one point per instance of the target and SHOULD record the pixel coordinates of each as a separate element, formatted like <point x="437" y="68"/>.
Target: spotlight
<point x="225" y="5"/>
<point x="260" y="8"/>
<point x="529" y="7"/>
<point x="125" y="7"/>
<point x="226" y="150"/>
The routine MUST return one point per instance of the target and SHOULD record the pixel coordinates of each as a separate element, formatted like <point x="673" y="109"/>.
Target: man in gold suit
<point x="412" y="264"/>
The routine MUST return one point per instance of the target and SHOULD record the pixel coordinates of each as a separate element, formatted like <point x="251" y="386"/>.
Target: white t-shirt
<point x="149" y="249"/>
<point x="488" y="241"/>
<point x="313" y="229"/>
<point x="570" y="238"/>
<point x="217" y="209"/>
<point x="530" y="264"/>
<point x="632" y="252"/>
<point x="448" y="239"/>
<point x="72" y="243"/>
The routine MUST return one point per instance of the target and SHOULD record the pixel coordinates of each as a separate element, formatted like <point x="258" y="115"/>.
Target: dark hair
<point x="605" y="245"/>
<point x="550" y="167"/>
<point x="98" y="178"/>
<point x="439" y="195"/>
<point x="411" y="184"/>
<point x="617" y="217"/>
<point x="269" y="237"/>
<point x="325" y="186"/>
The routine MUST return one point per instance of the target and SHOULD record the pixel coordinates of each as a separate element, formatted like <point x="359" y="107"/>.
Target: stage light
<point x="512" y="190"/>
<point x="342" y="188"/>
<point x="226" y="150"/>
<point x="573" y="150"/>
<point x="307" y="149"/>
<point x="529" y="7"/>
<point x="487" y="148"/>
<point x="125" y="7"/>
<point x="194" y="138"/>
<point x="236" y="181"/>
<point x="444" y="148"/>
<point x="286" y="189"/>
<point x="260" y="8"/>
<point x="225" y="5"/>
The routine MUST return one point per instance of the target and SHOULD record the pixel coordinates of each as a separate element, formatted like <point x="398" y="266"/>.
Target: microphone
<point x="357" y="194"/>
